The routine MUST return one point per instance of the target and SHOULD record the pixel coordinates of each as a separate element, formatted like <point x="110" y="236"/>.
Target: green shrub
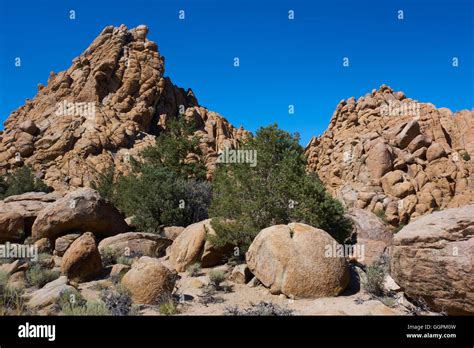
<point x="105" y="183"/>
<point x="466" y="156"/>
<point x="194" y="270"/>
<point x="164" y="188"/>
<point x="216" y="277"/>
<point x="376" y="276"/>
<point x="168" y="305"/>
<point x="20" y="181"/>
<point x="277" y="190"/>
<point x="381" y="215"/>
<point x="69" y="299"/>
<point x="38" y="276"/>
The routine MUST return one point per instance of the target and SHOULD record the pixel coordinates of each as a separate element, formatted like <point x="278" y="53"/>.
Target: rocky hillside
<point x="113" y="101"/>
<point x="395" y="156"/>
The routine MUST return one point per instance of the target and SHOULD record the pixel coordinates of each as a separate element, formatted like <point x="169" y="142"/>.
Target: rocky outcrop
<point x="49" y="294"/>
<point x="83" y="210"/>
<point x="110" y="104"/>
<point x="386" y="152"/>
<point x="432" y="260"/>
<point x="149" y="280"/>
<point x="373" y="236"/>
<point x="292" y="259"/>
<point x="18" y="213"/>
<point x="82" y="260"/>
<point x="192" y="246"/>
<point x="136" y="243"/>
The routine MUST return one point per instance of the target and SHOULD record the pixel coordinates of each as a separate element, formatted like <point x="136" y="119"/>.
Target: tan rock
<point x="434" y="152"/>
<point x="191" y="246"/>
<point x="431" y="259"/>
<point x="48" y="294"/>
<point x="82" y="210"/>
<point x="291" y="259"/>
<point x="148" y="280"/>
<point x="12" y="227"/>
<point x="82" y="261"/>
<point x="136" y="243"/>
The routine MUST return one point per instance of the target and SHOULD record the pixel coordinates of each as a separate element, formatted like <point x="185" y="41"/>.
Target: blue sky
<point x="282" y="62"/>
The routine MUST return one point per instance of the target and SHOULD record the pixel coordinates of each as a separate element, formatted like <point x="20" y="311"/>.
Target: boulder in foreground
<point x="432" y="259"/>
<point x="292" y="259"/>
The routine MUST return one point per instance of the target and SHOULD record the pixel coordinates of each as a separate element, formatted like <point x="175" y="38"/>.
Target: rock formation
<point x="393" y="155"/>
<point x="111" y="103"/>
<point x="431" y="260"/>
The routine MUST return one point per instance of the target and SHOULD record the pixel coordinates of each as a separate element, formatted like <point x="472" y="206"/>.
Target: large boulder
<point x="432" y="259"/>
<point x="149" y="280"/>
<point x="83" y="210"/>
<point x="48" y="294"/>
<point x="12" y="227"/>
<point x="192" y="246"/>
<point x="293" y="259"/>
<point x="136" y="243"/>
<point x="82" y="261"/>
<point x="28" y="205"/>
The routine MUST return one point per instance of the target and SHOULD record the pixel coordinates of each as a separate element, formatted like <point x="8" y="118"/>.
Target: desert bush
<point x="466" y="156"/>
<point x="381" y="215"/>
<point x="376" y="275"/>
<point x="118" y="302"/>
<point x="20" y="181"/>
<point x="38" y="276"/>
<point x="168" y="305"/>
<point x="70" y="298"/>
<point x="277" y="190"/>
<point x="216" y="277"/>
<point x="194" y="270"/>
<point x="11" y="299"/>
<point x="109" y="256"/>
<point x="125" y="260"/>
<point x="260" y="309"/>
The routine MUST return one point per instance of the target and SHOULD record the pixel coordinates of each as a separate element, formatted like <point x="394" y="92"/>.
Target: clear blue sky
<point x="283" y="61"/>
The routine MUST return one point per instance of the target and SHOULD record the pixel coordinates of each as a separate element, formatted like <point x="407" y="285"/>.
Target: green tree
<point x="20" y="181"/>
<point x="277" y="190"/>
<point x="164" y="188"/>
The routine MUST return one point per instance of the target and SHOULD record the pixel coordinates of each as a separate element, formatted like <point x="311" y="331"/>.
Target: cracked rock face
<point x="386" y="152"/>
<point x="432" y="260"/>
<point x="110" y="104"/>
<point x="293" y="260"/>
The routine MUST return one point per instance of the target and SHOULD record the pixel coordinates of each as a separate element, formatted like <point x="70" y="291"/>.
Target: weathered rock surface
<point x="291" y="259"/>
<point x="49" y="294"/>
<point x="432" y="259"/>
<point x="387" y="152"/>
<point x="82" y="261"/>
<point x="25" y="208"/>
<point x="111" y="103"/>
<point x="148" y="280"/>
<point x="136" y="243"/>
<point x="12" y="227"/>
<point x="82" y="210"/>
<point x="191" y="246"/>
<point x="373" y="236"/>
<point x="62" y="243"/>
